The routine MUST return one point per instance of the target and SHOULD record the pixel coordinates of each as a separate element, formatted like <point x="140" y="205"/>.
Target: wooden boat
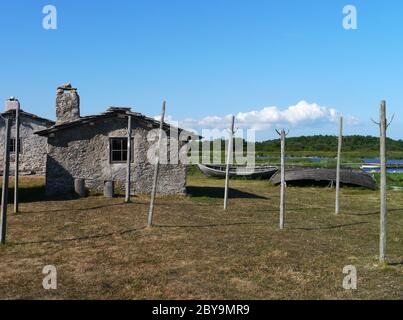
<point x="218" y="171"/>
<point x="370" y="166"/>
<point x="311" y="175"/>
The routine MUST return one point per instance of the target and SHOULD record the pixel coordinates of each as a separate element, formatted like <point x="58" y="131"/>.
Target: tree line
<point x="329" y="143"/>
<point x="318" y="143"/>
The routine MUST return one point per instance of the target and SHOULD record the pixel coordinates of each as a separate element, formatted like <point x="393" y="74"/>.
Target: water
<point x="313" y="159"/>
<point x="389" y="170"/>
<point x="392" y="162"/>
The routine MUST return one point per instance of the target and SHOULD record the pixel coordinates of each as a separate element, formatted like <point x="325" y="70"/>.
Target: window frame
<point x="111" y="150"/>
<point x="12" y="146"/>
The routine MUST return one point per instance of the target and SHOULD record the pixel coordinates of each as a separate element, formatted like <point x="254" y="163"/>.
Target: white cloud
<point x="303" y="113"/>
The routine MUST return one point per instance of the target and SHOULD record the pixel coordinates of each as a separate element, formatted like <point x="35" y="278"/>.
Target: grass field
<point x="102" y="250"/>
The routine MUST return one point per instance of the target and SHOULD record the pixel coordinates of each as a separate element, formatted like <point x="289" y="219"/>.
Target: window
<point x="118" y="150"/>
<point x="12" y="145"/>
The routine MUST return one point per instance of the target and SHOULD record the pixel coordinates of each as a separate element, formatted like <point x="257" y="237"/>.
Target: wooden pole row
<point x="383" y="181"/>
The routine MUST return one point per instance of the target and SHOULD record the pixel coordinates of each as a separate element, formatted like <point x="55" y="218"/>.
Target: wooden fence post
<point x="129" y="158"/>
<point x="337" y="207"/>
<point x="383" y="217"/>
<point x="156" y="169"/>
<point x="6" y="173"/>
<point x="282" y="135"/>
<point x="229" y="158"/>
<point x="17" y="157"/>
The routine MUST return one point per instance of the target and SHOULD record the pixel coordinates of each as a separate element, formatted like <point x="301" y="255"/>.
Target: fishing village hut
<point x="32" y="148"/>
<point x="94" y="148"/>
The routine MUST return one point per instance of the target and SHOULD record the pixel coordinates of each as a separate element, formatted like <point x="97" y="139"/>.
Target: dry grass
<point x="102" y="249"/>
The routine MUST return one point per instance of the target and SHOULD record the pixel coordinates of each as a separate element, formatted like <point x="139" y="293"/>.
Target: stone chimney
<point x="12" y="104"/>
<point x="67" y="104"/>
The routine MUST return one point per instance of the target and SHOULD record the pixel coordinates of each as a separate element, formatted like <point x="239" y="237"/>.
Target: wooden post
<point x="6" y="173"/>
<point x="229" y="158"/>
<point x="156" y="169"/>
<point x="283" y="135"/>
<point x="383" y="218"/>
<point x="337" y="207"/>
<point x="17" y="157"/>
<point x="129" y="158"/>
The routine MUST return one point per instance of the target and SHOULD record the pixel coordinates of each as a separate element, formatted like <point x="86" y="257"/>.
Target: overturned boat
<point x="348" y="177"/>
<point x="218" y="171"/>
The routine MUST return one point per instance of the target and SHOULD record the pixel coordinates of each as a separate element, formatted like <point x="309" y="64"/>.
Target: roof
<point x="27" y="114"/>
<point x="112" y="111"/>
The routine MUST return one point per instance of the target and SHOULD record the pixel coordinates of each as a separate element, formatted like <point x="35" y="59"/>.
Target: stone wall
<point x="33" y="147"/>
<point x="83" y="152"/>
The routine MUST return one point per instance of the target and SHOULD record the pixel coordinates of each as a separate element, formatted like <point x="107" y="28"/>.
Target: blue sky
<point x="209" y="59"/>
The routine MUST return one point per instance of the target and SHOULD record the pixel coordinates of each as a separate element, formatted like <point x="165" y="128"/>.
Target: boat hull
<point x="347" y="177"/>
<point x="219" y="171"/>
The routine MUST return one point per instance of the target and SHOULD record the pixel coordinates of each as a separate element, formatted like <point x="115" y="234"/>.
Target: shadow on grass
<point x="38" y="194"/>
<point x="123" y="232"/>
<point x="218" y="192"/>
<point x="371" y="213"/>
<point x="27" y="194"/>
<point x="339" y="226"/>
<point x="82" y="209"/>
<point x="97" y="236"/>
<point x="212" y="225"/>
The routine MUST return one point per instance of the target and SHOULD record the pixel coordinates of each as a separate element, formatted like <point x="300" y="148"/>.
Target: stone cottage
<point x="32" y="148"/>
<point x="94" y="148"/>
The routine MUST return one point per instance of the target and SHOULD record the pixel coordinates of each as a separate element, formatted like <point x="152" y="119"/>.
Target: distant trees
<point x="319" y="143"/>
<point x="329" y="143"/>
